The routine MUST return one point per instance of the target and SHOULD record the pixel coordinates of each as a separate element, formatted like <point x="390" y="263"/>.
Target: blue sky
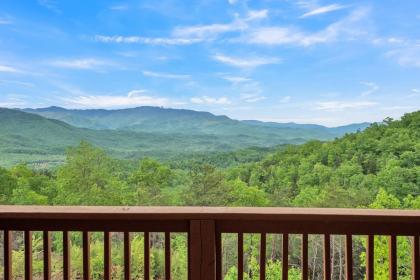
<point x="307" y="61"/>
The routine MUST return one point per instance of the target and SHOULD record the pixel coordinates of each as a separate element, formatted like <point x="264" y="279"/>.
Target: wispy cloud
<point x="5" y="21"/>
<point x="249" y="62"/>
<point x="211" y="31"/>
<point x="119" y="7"/>
<point x="252" y="97"/>
<point x="50" y="5"/>
<point x="236" y="79"/>
<point x="133" y="98"/>
<point x="323" y="10"/>
<point x="408" y="56"/>
<point x="19" y="83"/>
<point x="343" y="105"/>
<point x="207" y="100"/>
<point x="372" y="87"/>
<point x="233" y="2"/>
<point x="166" y="75"/>
<point x="345" y="29"/>
<point x="9" y="69"/>
<point x="83" y="63"/>
<point x="285" y="99"/>
<point x="146" y="40"/>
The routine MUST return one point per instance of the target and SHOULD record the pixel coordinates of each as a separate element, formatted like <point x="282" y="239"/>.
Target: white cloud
<point x="236" y="79"/>
<point x="232" y="2"/>
<point x="256" y="14"/>
<point x="407" y="56"/>
<point x="8" y="69"/>
<point x="84" y="63"/>
<point x="415" y="93"/>
<point x="346" y="29"/>
<point x="343" y="105"/>
<point x="166" y="75"/>
<point x="206" y="100"/>
<point x="323" y="10"/>
<point x="133" y="98"/>
<point x="146" y="40"/>
<point x="285" y="99"/>
<point x="372" y="87"/>
<point x="210" y="31"/>
<point x="250" y="62"/>
<point x="252" y="97"/>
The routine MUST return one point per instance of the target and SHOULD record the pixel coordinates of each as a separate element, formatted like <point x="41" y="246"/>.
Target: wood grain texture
<point x="370" y="257"/>
<point x="146" y="255"/>
<point x="86" y="255"/>
<point x="167" y="256"/>
<point x="416" y="258"/>
<point x="304" y="257"/>
<point x="263" y="243"/>
<point x="327" y="257"/>
<point x="392" y="242"/>
<point x="349" y="257"/>
<point x="28" y="255"/>
<point x="285" y="257"/>
<point x="107" y="255"/>
<point x="7" y="254"/>
<point x="47" y="254"/>
<point x="66" y="256"/>
<point x="127" y="256"/>
<point x="240" y="256"/>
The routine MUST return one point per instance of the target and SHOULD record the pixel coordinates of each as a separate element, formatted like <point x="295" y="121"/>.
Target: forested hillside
<point x="376" y="168"/>
<point x="165" y="134"/>
<point x="188" y="122"/>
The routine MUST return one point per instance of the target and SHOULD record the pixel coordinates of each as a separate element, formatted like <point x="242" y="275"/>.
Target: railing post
<point x="202" y="250"/>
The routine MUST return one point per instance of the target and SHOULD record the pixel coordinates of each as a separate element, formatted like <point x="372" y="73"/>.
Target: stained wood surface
<point x="203" y="213"/>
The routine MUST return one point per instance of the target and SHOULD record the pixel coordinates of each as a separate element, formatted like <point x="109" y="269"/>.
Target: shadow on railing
<point x="204" y="227"/>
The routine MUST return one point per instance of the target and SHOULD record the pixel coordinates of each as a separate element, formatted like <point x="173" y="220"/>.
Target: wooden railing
<point x="205" y="227"/>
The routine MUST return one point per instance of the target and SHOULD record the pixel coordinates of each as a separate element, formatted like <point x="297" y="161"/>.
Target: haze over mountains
<point x="41" y="136"/>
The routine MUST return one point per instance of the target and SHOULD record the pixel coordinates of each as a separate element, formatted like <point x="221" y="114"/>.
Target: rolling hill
<point x="166" y="120"/>
<point x="133" y="133"/>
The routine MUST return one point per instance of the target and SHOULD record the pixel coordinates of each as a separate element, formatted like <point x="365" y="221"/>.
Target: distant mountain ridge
<point x="41" y="136"/>
<point x="157" y="119"/>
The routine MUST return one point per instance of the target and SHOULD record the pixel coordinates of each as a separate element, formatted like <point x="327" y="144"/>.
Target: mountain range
<point x="41" y="136"/>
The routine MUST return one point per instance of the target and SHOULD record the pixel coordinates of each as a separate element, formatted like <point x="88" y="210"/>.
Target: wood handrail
<point x="219" y="213"/>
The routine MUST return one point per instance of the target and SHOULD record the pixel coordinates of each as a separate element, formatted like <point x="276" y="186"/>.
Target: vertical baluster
<point x="218" y="255"/>
<point x="240" y="256"/>
<point x="392" y="257"/>
<point x="327" y="257"/>
<point x="146" y="256"/>
<point x="8" y="241"/>
<point x="285" y="257"/>
<point x="107" y="255"/>
<point x="28" y="255"/>
<point x="349" y="257"/>
<point x="127" y="256"/>
<point x="167" y="255"/>
<point x="370" y="253"/>
<point x="304" y="256"/>
<point x="66" y="256"/>
<point x="263" y="245"/>
<point x="86" y="255"/>
<point x="416" y="258"/>
<point x="47" y="255"/>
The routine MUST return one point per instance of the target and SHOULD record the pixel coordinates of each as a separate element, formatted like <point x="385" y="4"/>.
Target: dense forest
<point x="376" y="168"/>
